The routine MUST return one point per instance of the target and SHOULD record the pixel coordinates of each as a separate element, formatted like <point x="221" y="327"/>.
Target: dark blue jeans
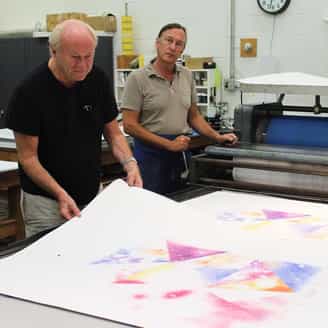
<point x="160" y="169"/>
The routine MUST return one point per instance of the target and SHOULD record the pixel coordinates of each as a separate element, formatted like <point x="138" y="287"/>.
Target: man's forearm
<point x="120" y="148"/>
<point x="202" y="127"/>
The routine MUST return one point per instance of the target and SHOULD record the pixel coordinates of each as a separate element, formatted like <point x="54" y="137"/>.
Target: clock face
<point x="273" y="6"/>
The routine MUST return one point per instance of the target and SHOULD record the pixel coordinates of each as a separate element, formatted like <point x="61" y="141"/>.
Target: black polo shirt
<point x="69" y="123"/>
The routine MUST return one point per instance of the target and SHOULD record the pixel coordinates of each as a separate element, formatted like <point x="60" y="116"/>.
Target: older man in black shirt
<point x="58" y="114"/>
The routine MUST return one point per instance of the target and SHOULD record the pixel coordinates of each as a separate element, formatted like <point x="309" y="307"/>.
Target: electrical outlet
<point x="248" y="47"/>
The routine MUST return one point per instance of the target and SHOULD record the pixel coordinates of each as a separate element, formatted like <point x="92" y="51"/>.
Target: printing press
<point x="283" y="149"/>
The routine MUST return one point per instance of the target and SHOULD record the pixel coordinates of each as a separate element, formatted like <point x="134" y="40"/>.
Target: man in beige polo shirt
<point x="159" y="111"/>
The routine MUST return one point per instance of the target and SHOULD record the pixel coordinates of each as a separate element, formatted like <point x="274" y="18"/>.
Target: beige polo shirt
<point x="163" y="106"/>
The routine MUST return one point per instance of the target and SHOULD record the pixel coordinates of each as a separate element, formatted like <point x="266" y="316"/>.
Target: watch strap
<point x="128" y="160"/>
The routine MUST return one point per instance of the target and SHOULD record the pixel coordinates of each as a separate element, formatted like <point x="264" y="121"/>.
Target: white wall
<point x="296" y="40"/>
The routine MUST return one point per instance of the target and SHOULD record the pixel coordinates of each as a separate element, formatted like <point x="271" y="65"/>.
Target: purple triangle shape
<point x="276" y="215"/>
<point x="178" y="252"/>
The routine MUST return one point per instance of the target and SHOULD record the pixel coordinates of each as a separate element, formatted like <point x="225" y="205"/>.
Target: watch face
<point x="273" y="6"/>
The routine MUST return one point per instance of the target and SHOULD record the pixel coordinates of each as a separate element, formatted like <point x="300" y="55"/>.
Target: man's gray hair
<point x="56" y="34"/>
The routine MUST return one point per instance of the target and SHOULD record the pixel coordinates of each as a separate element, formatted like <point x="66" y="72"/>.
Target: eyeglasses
<point x="170" y="41"/>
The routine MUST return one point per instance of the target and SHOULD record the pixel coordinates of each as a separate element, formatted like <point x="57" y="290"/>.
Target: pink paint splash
<point x="179" y="252"/>
<point x="276" y="215"/>
<point x="127" y="281"/>
<point x="140" y="296"/>
<point x="224" y="314"/>
<point x="177" y="294"/>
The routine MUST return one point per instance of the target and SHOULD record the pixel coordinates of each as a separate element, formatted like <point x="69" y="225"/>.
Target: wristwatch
<point x="128" y="160"/>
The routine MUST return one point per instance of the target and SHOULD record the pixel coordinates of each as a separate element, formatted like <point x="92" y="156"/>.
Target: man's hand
<point x="180" y="143"/>
<point x="228" y="138"/>
<point x="133" y="174"/>
<point x="67" y="207"/>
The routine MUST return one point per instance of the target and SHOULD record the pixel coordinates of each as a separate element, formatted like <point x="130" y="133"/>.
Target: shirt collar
<point x="152" y="72"/>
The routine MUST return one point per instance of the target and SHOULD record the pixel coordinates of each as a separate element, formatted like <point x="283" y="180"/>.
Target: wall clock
<point x="273" y="6"/>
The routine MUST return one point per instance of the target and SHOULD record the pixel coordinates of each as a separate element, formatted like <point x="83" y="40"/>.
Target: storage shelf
<point x="205" y="88"/>
<point x="121" y="74"/>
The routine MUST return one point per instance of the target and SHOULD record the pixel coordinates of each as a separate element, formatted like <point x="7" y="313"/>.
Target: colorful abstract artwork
<point x="233" y="260"/>
<point x="180" y="274"/>
<point x="173" y="252"/>
<point x="288" y="224"/>
<point x="257" y="216"/>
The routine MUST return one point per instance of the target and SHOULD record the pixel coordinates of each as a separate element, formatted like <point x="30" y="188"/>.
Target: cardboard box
<point x="197" y="62"/>
<point x="123" y="61"/>
<point x="102" y="23"/>
<point x="54" y="19"/>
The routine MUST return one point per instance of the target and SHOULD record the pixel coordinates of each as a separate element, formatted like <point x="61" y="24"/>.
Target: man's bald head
<point x="70" y="29"/>
<point x="72" y="46"/>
